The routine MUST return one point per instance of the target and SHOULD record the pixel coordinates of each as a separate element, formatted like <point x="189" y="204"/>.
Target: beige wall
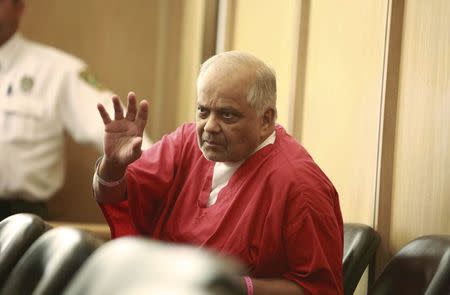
<point x="268" y="35"/>
<point x="341" y="98"/>
<point x="421" y="177"/>
<point x="197" y="44"/>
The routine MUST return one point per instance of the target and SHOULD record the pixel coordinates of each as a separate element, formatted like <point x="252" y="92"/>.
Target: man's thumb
<point x="137" y="143"/>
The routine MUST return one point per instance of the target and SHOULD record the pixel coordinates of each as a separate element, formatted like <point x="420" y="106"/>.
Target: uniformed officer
<point x="43" y="92"/>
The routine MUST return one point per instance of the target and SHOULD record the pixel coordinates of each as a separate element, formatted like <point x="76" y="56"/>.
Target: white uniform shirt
<point x="42" y="94"/>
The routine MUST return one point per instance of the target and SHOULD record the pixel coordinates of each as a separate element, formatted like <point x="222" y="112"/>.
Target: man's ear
<point x="268" y="118"/>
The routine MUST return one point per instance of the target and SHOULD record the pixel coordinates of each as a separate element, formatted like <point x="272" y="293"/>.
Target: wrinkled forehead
<point x="229" y="65"/>
<point x="221" y="88"/>
<point x="226" y="78"/>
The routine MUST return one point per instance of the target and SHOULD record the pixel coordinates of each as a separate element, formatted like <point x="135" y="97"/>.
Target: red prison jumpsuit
<point x="279" y="214"/>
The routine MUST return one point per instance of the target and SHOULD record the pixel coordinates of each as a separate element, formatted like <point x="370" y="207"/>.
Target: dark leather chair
<point x="360" y="245"/>
<point x="50" y="262"/>
<point x="133" y="265"/>
<point x="17" y="233"/>
<point x="421" y="267"/>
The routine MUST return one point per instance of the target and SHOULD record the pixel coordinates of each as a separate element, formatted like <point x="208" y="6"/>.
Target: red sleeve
<point x="148" y="181"/>
<point x="118" y="219"/>
<point x="314" y="240"/>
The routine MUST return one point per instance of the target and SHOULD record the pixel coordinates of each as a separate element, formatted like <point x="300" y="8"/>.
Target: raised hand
<point x="123" y="135"/>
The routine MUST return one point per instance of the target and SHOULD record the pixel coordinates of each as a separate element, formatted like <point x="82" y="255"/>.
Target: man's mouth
<point x="211" y="143"/>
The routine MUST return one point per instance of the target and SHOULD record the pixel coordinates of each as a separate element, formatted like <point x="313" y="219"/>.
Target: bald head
<point x="262" y="90"/>
<point x="236" y="96"/>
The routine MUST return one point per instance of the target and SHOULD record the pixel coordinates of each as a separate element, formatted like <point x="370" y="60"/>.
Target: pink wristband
<point x="249" y="284"/>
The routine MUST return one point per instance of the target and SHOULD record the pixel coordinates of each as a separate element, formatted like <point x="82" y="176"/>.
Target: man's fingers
<point x="104" y="114"/>
<point x="118" y="111"/>
<point x="131" y="109"/>
<point x="142" y="114"/>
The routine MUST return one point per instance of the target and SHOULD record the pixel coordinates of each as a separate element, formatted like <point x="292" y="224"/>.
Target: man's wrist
<point x="108" y="173"/>
<point x="107" y="183"/>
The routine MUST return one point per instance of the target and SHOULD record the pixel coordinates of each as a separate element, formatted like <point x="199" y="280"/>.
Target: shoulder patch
<point x="89" y="78"/>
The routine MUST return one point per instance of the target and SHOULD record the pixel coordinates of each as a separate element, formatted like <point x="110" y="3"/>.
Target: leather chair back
<point x="421" y="267"/>
<point x="133" y="265"/>
<point x="50" y="262"/>
<point x="360" y="245"/>
<point x="17" y="233"/>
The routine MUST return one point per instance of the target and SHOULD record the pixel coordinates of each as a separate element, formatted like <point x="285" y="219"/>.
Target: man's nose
<point x="212" y="125"/>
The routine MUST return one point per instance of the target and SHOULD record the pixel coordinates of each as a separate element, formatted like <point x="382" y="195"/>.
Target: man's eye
<point x="228" y="115"/>
<point x="202" y="111"/>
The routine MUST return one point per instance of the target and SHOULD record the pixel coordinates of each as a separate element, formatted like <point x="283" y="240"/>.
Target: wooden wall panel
<point x="266" y="29"/>
<point x="421" y="178"/>
<point x="338" y="118"/>
<point x="197" y="43"/>
<point x="382" y="206"/>
<point x="116" y="39"/>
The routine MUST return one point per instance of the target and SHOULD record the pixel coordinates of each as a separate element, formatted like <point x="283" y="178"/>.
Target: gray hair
<point x="263" y="93"/>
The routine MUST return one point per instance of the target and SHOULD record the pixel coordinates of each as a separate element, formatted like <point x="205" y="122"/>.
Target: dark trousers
<point x="14" y="206"/>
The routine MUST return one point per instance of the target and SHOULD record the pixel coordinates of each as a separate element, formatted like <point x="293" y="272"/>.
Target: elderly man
<point x="234" y="182"/>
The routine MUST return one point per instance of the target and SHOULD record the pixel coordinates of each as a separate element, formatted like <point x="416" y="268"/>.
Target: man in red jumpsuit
<point x="234" y="182"/>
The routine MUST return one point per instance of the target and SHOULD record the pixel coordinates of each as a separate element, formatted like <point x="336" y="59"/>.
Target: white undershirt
<point x="224" y="170"/>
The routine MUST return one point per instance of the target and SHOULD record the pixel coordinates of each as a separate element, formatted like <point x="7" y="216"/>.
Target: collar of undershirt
<point x="224" y="170"/>
<point x="269" y="140"/>
<point x="223" y="167"/>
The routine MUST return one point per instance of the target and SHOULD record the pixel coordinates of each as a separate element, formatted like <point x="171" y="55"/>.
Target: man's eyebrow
<point x="223" y="109"/>
<point x="227" y="109"/>
<point x="201" y="105"/>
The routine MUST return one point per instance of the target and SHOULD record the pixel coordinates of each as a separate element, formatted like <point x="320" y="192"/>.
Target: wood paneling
<point x="115" y="38"/>
<point x="383" y="198"/>
<point x="197" y="43"/>
<point x="421" y="178"/>
<point x="339" y="114"/>
<point x="267" y="29"/>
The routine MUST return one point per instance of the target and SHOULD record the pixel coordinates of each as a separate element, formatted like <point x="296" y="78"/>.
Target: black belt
<point x="9" y="207"/>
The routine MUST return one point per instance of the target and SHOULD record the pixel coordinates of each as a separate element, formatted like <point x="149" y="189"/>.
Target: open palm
<point x="123" y="134"/>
